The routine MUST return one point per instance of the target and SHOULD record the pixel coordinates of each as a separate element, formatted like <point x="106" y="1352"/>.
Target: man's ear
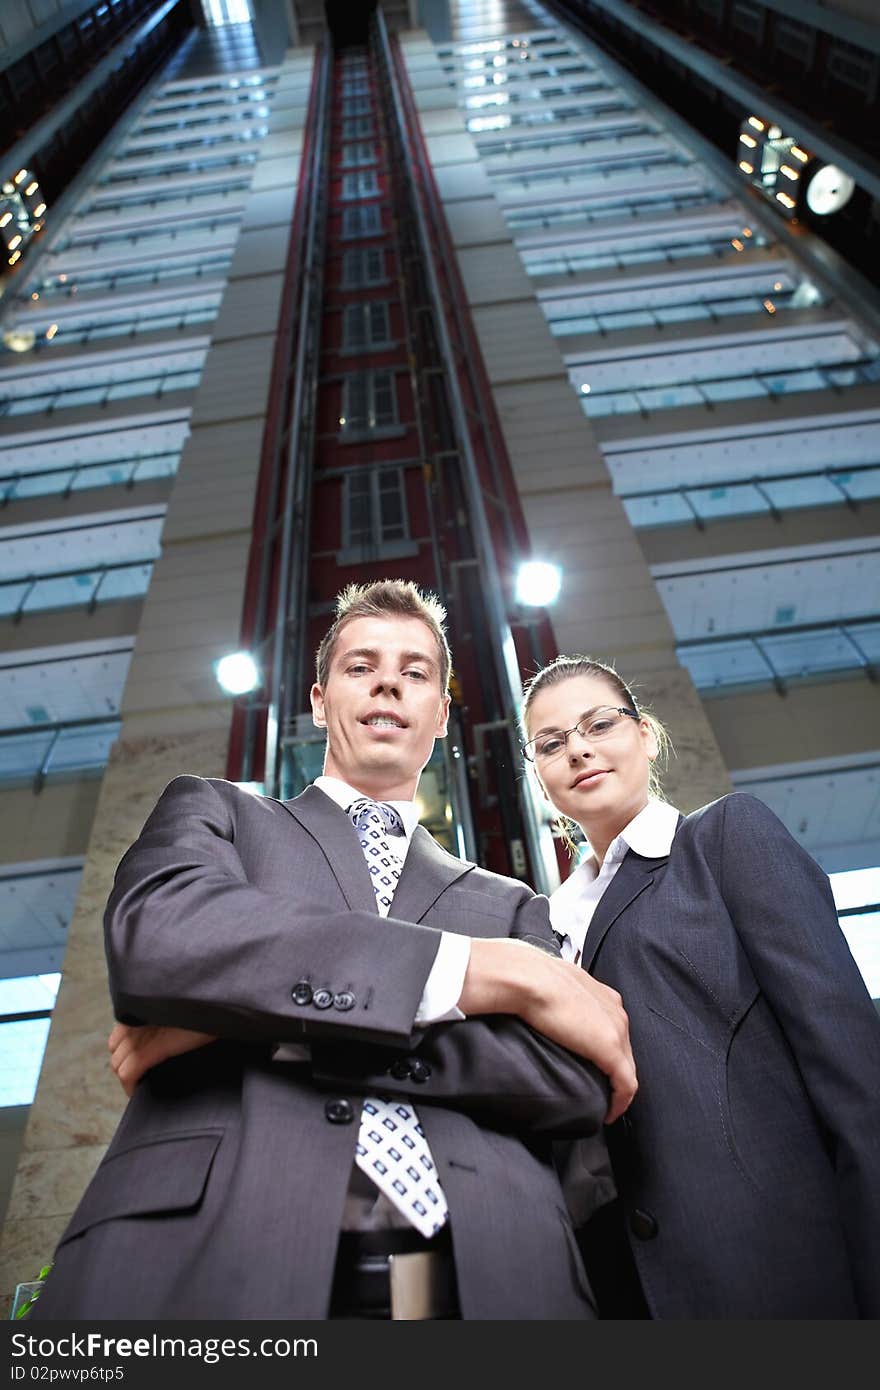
<point x="316" y="695"/>
<point x="443" y="717"/>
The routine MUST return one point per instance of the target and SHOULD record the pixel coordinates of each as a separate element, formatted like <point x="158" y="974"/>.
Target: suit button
<point x="399" y="1069"/>
<point x="419" y="1070"/>
<point x="344" y="1000"/>
<point x="322" y="998"/>
<point x="301" y="992"/>
<point x="643" y="1224"/>
<point x="339" y="1112"/>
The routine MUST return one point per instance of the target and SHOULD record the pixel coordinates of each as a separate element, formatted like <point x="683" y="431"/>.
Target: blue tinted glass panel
<point x="668" y="509"/>
<point x="62" y="592"/>
<point x="806" y="653"/>
<point x="724" y="663"/>
<point x="734" y="389"/>
<point x="716" y="502"/>
<point x="132" y="581"/>
<point x="862" y="931"/>
<point x="788" y="493"/>
<point x="21" y="1055"/>
<point x="11" y="596"/>
<point x="28" y="993"/>
<point x="22" y="754"/>
<point x="867" y="638"/>
<point x="83" y="748"/>
<point x="865" y="483"/>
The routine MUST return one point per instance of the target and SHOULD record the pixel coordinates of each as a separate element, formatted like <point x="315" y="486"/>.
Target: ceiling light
<point x="538" y="583"/>
<point x="237" y="673"/>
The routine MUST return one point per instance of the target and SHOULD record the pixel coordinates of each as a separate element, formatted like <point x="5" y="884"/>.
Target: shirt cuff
<point x="439" y="1001"/>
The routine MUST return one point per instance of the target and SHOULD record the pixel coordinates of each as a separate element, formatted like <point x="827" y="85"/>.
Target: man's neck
<point x="365" y="786"/>
<point x="377" y="788"/>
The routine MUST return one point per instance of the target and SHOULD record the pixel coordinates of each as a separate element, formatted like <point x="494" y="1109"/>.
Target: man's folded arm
<point x="192" y="944"/>
<point x="496" y="1069"/>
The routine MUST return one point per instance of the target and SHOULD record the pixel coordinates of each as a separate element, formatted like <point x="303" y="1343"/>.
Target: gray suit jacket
<point x="749" y="1162"/>
<point x="222" y="1191"/>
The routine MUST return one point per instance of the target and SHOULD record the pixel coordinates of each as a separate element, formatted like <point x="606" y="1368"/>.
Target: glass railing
<point x="686" y="311"/>
<point x="670" y="252"/>
<point x="125" y="173"/>
<point x="589" y="173"/>
<point x="155" y="384"/>
<point x="193" y="266"/>
<point x="49" y="482"/>
<point x="129" y="324"/>
<point x="745" y="386"/>
<point x="38" y="753"/>
<point x="757" y="496"/>
<point x="778" y="657"/>
<point x="619" y="206"/>
<point x="74" y="588"/>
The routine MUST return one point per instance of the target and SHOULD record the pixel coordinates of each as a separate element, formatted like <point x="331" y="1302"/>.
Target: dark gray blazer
<point x="749" y="1162"/>
<point x="221" y="1194"/>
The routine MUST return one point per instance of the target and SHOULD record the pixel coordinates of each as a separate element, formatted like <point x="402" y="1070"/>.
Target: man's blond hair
<point x="386" y="598"/>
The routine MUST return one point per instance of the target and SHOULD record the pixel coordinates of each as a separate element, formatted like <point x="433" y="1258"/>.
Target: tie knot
<point x="363" y="813"/>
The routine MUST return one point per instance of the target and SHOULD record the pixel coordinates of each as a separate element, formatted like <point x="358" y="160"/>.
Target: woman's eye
<point x="550" y="746"/>
<point x="601" y="726"/>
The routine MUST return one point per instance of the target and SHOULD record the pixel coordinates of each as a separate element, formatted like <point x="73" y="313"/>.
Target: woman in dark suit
<point x="748" y="1166"/>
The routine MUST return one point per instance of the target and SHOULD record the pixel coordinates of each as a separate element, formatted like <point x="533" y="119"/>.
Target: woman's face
<point x="601" y="783"/>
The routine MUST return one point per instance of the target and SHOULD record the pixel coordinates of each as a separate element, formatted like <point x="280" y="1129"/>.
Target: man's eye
<point x="419" y="675"/>
<point x="358" y="669"/>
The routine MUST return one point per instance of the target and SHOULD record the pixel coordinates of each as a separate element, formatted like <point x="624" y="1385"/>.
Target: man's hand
<point x="133" y="1051"/>
<point x="559" y="1000"/>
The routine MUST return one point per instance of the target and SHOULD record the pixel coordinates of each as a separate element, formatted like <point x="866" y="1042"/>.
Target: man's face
<point x="382" y="705"/>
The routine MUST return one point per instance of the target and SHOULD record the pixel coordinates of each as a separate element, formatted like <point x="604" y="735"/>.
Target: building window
<point x="374" y="507"/>
<point x="369" y="402"/>
<point x="356" y="106"/>
<point x="366" y="327"/>
<point x="362" y="267"/>
<point x="362" y="185"/>
<point x="358" y="156"/>
<point x="362" y="221"/>
<point x="357" y="128"/>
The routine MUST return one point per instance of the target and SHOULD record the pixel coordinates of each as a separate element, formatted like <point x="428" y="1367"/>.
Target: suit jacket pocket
<point x="164" y="1174"/>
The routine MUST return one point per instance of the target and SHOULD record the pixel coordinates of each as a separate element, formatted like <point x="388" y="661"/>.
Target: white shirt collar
<point x="344" y="794"/>
<point x="652" y="831"/>
<point x="649" y="834"/>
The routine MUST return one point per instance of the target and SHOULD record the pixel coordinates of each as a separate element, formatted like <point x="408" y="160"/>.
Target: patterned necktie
<point x="391" y="1146"/>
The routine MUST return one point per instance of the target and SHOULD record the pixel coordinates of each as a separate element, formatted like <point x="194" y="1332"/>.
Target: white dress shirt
<point x="443" y="986"/>
<point x="574" y="902"/>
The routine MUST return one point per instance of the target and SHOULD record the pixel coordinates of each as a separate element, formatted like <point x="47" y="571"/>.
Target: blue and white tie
<point x="391" y="1146"/>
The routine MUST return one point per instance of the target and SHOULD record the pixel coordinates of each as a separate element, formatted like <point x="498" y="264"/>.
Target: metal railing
<point x="95" y="576"/>
<point x="45" y="742"/>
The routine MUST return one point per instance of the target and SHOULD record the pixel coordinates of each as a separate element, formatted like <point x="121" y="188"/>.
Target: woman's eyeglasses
<point x="598" y="725"/>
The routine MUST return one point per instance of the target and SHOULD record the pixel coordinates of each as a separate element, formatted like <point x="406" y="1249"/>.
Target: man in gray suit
<point x="375" y="1042"/>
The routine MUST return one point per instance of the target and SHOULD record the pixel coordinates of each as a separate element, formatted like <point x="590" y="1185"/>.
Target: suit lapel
<point x="328" y="824"/>
<point x="632" y="878"/>
<point x="427" y="872"/>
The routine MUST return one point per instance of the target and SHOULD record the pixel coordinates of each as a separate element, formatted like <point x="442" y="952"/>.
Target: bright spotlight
<point x="237" y="673"/>
<point x="538" y="584"/>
